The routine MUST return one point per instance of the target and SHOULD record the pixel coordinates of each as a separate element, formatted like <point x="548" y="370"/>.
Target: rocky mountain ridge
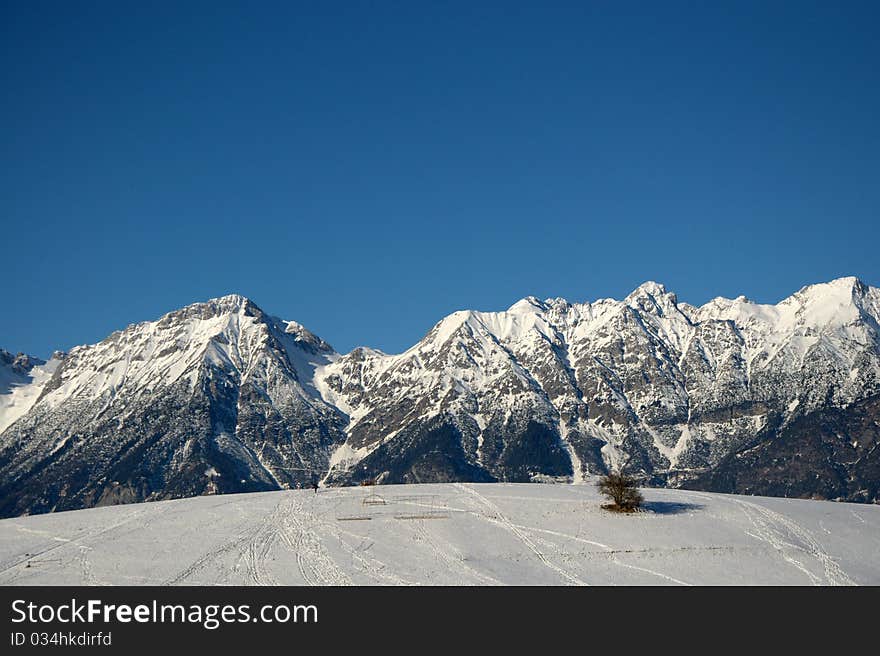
<point x="732" y="396"/>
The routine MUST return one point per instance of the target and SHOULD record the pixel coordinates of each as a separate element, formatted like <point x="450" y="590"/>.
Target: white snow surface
<point x="448" y="534"/>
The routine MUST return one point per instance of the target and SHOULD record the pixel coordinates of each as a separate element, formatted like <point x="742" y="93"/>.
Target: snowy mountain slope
<point x="217" y="395"/>
<point x="732" y="396"/>
<point x="448" y="534"/>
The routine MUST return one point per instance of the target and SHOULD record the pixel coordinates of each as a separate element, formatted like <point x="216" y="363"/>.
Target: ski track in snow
<point x="9" y="571"/>
<point x="88" y="574"/>
<point x="260" y="544"/>
<point x="315" y="564"/>
<point x="615" y="560"/>
<point x="454" y="561"/>
<point x="785" y="536"/>
<point x="512" y="528"/>
<point x="606" y="549"/>
<point x="288" y="524"/>
<point x="374" y="568"/>
<point x="229" y="546"/>
<point x="251" y="548"/>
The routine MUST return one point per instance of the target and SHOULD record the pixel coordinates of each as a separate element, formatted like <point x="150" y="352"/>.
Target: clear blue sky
<point x="366" y="168"/>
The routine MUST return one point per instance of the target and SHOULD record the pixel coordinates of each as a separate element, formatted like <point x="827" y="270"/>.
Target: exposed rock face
<point x="218" y="397"/>
<point x="827" y="454"/>
<point x="19" y="364"/>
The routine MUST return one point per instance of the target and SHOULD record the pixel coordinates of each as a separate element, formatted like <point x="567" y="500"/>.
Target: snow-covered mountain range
<point x="732" y="396"/>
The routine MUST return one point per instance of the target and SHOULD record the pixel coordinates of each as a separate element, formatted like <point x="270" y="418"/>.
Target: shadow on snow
<point x="670" y="507"/>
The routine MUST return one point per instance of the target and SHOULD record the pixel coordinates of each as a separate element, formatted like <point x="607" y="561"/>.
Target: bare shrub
<point x="622" y="490"/>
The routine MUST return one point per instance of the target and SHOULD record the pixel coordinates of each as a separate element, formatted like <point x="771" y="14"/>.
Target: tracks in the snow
<point x="289" y="524"/>
<point x="10" y="569"/>
<point x="315" y="564"/>
<point x="499" y="517"/>
<point x="793" y="543"/>
<point x="442" y="553"/>
<point x="260" y="543"/>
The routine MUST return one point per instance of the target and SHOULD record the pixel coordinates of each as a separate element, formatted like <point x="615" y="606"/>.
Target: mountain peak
<point x="847" y="291"/>
<point x="232" y="301"/>
<point x="214" y="307"/>
<point x="839" y="286"/>
<point x="527" y="305"/>
<point x="650" y="287"/>
<point x="306" y="337"/>
<point x="652" y="297"/>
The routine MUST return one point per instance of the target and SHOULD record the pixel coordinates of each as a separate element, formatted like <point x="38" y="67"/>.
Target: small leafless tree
<point x="622" y="490"/>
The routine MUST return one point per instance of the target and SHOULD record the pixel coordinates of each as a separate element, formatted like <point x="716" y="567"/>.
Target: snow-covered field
<point x="458" y="534"/>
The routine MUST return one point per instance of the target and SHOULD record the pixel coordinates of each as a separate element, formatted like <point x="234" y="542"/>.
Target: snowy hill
<point x="733" y="396"/>
<point x="461" y="534"/>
